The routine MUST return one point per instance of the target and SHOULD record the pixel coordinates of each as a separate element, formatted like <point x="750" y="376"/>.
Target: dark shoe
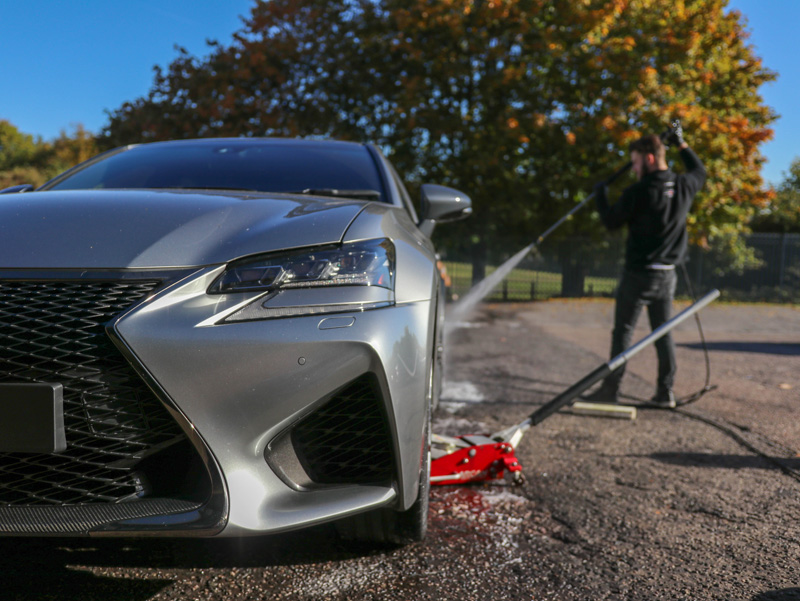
<point x="665" y="399"/>
<point x="604" y="394"/>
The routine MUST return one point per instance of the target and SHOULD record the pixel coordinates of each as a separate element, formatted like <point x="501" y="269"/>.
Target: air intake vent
<point x="54" y="331"/>
<point x="347" y="440"/>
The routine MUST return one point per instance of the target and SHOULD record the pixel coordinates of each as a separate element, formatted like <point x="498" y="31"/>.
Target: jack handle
<point x="569" y="395"/>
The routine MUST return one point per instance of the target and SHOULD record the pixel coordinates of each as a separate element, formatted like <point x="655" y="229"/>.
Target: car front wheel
<point x="389" y="525"/>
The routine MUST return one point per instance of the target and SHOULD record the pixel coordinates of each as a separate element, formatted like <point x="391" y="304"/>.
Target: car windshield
<point x="335" y="169"/>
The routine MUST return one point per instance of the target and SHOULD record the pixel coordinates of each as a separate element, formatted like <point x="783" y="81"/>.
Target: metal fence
<point x="579" y="267"/>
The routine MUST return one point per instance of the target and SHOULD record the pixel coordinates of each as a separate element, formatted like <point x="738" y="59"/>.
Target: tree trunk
<point x="478" y="262"/>
<point x="573" y="277"/>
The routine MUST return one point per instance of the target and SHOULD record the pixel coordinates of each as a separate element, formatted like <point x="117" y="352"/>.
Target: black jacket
<point x="655" y="209"/>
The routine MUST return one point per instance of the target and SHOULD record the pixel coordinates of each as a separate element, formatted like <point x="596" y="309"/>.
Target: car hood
<point x="110" y="229"/>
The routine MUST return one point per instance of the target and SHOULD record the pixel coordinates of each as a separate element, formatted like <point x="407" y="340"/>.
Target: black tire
<point x="392" y="526"/>
<point x="411" y="525"/>
<point x="439" y="350"/>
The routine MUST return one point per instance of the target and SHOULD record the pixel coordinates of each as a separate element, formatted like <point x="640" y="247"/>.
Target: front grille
<point x="54" y="331"/>
<point x="347" y="440"/>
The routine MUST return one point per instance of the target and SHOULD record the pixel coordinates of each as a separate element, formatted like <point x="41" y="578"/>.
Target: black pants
<point x="653" y="288"/>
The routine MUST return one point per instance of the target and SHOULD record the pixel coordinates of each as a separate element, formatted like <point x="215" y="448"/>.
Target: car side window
<point x="407" y="203"/>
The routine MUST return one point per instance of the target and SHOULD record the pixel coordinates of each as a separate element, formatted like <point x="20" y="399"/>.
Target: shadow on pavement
<point x="786" y="594"/>
<point x="770" y="348"/>
<point x="506" y="377"/>
<point x="724" y="461"/>
<point x="35" y="569"/>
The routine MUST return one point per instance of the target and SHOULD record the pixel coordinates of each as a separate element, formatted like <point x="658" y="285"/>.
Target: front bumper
<point x="244" y="386"/>
<point x="255" y="402"/>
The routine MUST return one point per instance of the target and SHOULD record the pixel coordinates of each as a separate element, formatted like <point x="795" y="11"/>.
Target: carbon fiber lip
<point x="82" y="519"/>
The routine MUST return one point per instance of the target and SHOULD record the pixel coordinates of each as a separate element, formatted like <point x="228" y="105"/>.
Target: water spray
<point x="465" y="305"/>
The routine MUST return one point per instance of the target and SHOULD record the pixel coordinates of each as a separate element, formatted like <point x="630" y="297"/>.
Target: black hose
<point x="720" y="424"/>
<point x="707" y="387"/>
<point x="734" y="432"/>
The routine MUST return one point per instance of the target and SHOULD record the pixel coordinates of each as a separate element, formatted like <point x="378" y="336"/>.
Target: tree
<point x="782" y="213"/>
<point x="16" y="148"/>
<point x="28" y="160"/>
<point x="522" y="103"/>
<point x="70" y="149"/>
<point x="20" y="157"/>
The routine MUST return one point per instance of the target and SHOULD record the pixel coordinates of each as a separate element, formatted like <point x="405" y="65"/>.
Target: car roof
<point x="242" y="141"/>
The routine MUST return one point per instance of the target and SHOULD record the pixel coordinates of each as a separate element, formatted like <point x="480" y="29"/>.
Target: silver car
<point x="220" y="337"/>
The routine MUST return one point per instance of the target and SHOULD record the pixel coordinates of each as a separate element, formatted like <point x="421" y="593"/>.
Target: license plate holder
<point x="32" y="418"/>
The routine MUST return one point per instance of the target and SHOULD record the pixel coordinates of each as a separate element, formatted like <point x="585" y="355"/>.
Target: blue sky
<point x="67" y="62"/>
<point x="773" y="26"/>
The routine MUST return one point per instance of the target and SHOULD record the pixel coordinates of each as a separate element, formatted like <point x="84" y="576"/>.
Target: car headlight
<point x="368" y="263"/>
<point x="358" y="275"/>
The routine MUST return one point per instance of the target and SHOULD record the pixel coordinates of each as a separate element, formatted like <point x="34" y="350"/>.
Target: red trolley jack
<point x="456" y="460"/>
<point x="479" y="458"/>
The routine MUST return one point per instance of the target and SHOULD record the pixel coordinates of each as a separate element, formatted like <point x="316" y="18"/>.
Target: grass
<point x="520" y="282"/>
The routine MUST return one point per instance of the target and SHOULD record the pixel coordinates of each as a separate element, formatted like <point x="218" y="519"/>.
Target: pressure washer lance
<point x="466" y="303"/>
<point x="461" y="459"/>
<point x="619" y="172"/>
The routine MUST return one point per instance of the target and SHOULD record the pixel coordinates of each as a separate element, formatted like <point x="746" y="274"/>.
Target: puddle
<point x="495" y="513"/>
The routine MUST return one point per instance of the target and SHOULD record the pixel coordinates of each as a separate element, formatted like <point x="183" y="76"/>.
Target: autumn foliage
<point x="522" y="103"/>
<point x="28" y="160"/>
<point x="782" y="213"/>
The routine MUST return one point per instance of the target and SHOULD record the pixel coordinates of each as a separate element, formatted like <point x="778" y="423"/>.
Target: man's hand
<point x="675" y="136"/>
<point x="599" y="190"/>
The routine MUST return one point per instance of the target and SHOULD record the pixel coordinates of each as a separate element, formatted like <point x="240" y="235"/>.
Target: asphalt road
<point x="698" y="503"/>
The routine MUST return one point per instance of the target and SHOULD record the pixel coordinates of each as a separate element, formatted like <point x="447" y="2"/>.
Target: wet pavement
<point x="699" y="503"/>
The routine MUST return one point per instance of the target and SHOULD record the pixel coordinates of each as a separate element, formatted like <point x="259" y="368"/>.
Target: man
<point x="654" y="209"/>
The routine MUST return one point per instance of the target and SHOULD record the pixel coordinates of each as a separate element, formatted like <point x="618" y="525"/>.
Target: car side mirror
<point x="441" y="204"/>
<point x="15" y="189"/>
